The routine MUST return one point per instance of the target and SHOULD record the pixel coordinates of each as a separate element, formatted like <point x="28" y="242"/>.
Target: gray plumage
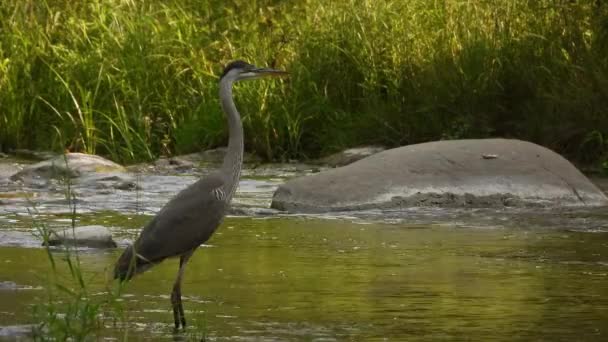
<point x="190" y="218"/>
<point x="180" y="217"/>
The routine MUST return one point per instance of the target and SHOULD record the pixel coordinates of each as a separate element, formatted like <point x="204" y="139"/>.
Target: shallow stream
<point x="415" y="275"/>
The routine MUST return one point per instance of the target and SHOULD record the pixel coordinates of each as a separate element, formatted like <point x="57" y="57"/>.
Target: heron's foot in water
<point x="178" y="311"/>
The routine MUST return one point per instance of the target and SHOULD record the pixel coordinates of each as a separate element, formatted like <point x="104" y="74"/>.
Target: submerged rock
<point x="350" y="156"/>
<point x="86" y="236"/>
<point x="110" y="180"/>
<point x="445" y="173"/>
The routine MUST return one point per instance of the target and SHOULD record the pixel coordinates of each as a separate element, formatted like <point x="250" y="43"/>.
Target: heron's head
<point x="240" y="70"/>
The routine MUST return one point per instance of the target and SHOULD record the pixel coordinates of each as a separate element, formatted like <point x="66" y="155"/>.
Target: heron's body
<point x="191" y="217"/>
<point x="179" y="227"/>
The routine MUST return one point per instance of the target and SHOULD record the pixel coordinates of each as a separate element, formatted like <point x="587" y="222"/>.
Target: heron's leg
<point x="176" y="295"/>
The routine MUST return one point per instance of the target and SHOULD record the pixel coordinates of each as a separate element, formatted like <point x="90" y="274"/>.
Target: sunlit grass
<point x="134" y="80"/>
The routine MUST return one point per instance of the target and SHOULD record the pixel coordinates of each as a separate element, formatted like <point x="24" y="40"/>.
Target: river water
<point x="414" y="275"/>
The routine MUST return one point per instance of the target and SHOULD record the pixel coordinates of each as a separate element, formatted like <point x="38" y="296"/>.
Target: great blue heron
<point x="190" y="218"/>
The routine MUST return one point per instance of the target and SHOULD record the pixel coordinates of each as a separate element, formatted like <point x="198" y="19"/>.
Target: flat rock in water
<point x="350" y="156"/>
<point x="477" y="173"/>
<point x="86" y="236"/>
<point x="72" y="165"/>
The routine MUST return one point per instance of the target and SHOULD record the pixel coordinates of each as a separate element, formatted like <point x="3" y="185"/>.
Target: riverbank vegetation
<point x="134" y="80"/>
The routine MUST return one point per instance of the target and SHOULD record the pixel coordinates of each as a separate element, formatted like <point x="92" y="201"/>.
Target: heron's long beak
<point x="270" y="72"/>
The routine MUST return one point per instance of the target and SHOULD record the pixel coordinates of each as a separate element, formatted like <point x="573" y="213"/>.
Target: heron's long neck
<point x="231" y="167"/>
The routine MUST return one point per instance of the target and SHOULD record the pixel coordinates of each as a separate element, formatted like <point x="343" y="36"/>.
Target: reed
<point x="135" y="80"/>
<point x="72" y="309"/>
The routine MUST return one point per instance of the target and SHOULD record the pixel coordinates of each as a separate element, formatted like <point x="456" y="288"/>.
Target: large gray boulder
<point x="481" y="173"/>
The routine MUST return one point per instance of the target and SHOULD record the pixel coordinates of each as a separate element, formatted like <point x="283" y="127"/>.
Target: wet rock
<point x="86" y="236"/>
<point x="445" y="173"/>
<point x="72" y="165"/>
<point x="111" y="180"/>
<point x="85" y="170"/>
<point x="127" y="185"/>
<point x="350" y="156"/>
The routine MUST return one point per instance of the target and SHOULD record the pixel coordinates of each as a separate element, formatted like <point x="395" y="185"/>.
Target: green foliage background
<point x="136" y="79"/>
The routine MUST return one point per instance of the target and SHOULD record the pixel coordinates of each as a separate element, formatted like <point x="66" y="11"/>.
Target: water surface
<point x="303" y="279"/>
<point x="418" y="274"/>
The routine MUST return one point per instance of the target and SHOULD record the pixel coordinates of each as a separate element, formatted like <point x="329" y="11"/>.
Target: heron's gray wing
<point x="185" y="222"/>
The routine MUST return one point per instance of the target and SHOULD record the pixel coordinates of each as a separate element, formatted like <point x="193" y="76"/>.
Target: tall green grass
<point x="70" y="310"/>
<point x="133" y="80"/>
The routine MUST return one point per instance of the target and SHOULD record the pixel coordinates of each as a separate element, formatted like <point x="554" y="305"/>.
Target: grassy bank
<point x="133" y="80"/>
